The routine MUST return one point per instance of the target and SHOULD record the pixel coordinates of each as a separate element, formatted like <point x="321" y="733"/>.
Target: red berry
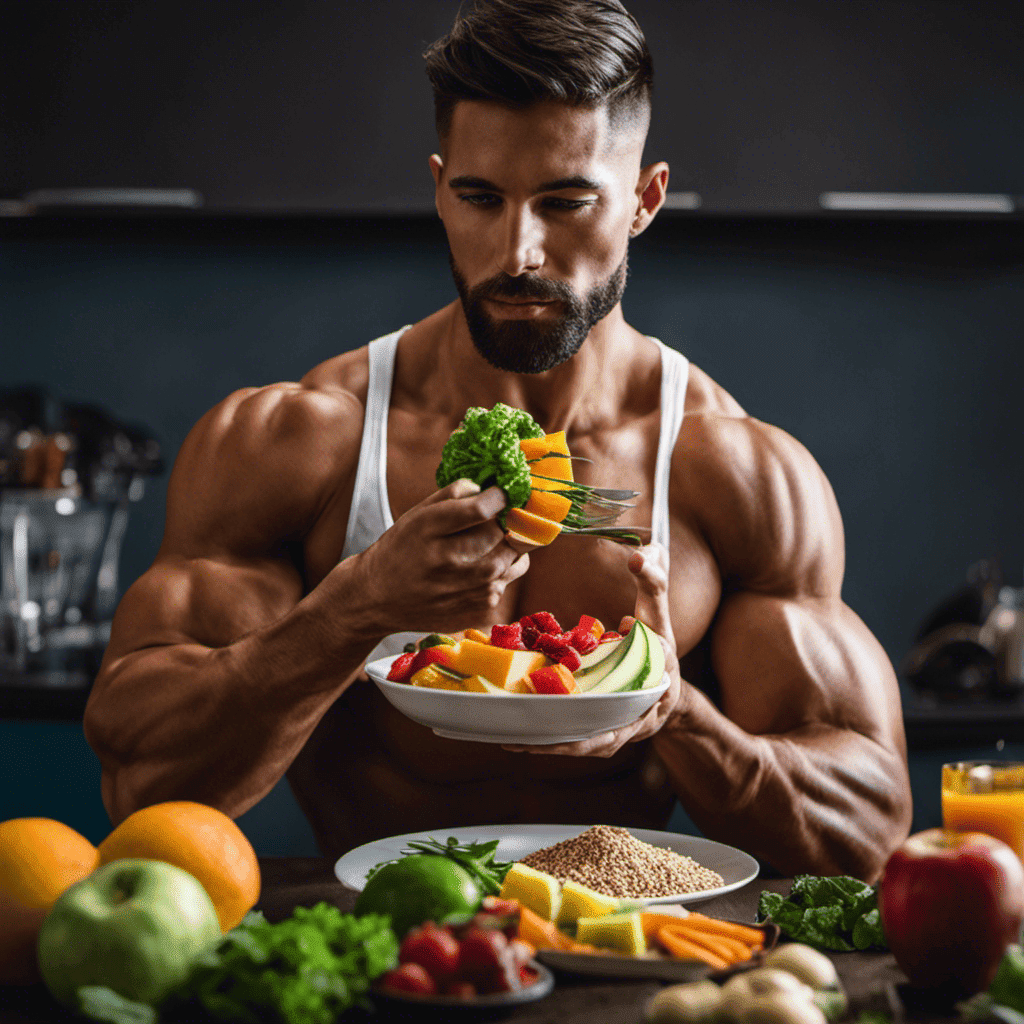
<point x="553" y="646"/>
<point x="409" y="978"/>
<point x="442" y="654"/>
<point x="583" y="640"/>
<point x="610" y="635"/>
<point x="530" y="632"/>
<point x="571" y="660"/>
<point x="401" y="668"/>
<point x="545" y="622"/>
<point x="433" y="948"/>
<point x="508" y="637"/>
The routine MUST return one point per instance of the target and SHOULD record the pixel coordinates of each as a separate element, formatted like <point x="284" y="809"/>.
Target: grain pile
<point x="611" y="861"/>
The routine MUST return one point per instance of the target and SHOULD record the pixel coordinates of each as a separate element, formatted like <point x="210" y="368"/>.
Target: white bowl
<point x="518" y="718"/>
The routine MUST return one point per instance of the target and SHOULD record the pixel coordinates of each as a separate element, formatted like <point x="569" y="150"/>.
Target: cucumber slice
<point x="632" y="670"/>
<point x="656" y="670"/>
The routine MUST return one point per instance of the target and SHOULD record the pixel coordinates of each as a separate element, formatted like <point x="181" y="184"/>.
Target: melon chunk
<point x="500" y="666"/>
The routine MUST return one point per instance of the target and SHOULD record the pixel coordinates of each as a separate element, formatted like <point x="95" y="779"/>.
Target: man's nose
<point x="521" y="245"/>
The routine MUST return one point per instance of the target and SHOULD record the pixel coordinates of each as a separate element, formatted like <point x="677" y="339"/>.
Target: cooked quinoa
<point x="609" y="860"/>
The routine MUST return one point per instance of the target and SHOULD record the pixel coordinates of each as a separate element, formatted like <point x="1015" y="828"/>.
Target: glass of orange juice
<point x="985" y="796"/>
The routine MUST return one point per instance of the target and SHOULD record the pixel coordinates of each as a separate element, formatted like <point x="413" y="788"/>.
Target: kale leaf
<point x="837" y="913"/>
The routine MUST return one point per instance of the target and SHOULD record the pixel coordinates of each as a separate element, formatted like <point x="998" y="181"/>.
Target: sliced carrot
<point x="539" y="933"/>
<point x="737" y="931"/>
<point x="721" y="945"/>
<point x="530" y="527"/>
<point x="548" y="505"/>
<point x="651" y="921"/>
<point x="683" y="949"/>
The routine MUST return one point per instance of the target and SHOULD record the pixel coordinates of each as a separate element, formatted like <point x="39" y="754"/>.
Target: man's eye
<point x="480" y="199"/>
<point x="568" y="204"/>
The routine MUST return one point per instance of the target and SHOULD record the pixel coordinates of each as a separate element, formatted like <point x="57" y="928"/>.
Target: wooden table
<point x="871" y="979"/>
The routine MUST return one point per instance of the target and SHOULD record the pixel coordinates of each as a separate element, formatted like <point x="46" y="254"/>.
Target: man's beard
<point x="529" y="346"/>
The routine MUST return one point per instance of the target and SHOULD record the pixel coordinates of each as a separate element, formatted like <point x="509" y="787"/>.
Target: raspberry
<point x="546" y="622"/>
<point x="509" y="637"/>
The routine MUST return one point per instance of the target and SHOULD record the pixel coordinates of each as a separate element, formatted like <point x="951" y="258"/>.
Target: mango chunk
<point x="496" y="664"/>
<point x="529" y="527"/>
<point x="579" y="901"/>
<point x="433" y="678"/>
<point x="535" y="889"/>
<point x="622" y="932"/>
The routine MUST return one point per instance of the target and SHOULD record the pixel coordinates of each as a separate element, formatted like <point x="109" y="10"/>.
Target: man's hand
<point x="443" y="566"/>
<point x="648" y="566"/>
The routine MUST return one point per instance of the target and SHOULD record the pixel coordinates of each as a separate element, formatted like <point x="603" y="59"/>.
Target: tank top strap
<point x="370" y="514"/>
<point x="675" y="369"/>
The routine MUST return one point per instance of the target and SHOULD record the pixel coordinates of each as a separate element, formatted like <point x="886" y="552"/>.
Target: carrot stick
<point x="721" y="945"/>
<point x="736" y="931"/>
<point x="682" y="949"/>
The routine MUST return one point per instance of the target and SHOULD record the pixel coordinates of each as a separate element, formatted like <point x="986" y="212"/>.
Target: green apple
<point x="136" y="926"/>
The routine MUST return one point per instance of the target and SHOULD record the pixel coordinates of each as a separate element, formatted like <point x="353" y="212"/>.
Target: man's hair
<point x="585" y="53"/>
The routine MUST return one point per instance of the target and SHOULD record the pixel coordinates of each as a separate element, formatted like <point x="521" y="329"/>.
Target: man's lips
<point x="519" y="309"/>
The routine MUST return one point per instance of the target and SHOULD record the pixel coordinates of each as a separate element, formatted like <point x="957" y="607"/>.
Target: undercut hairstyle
<point x="584" y="53"/>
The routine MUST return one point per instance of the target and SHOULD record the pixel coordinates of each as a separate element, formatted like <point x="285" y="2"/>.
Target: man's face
<point x="537" y="204"/>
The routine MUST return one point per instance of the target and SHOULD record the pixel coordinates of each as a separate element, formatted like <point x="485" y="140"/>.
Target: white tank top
<point x="370" y="515"/>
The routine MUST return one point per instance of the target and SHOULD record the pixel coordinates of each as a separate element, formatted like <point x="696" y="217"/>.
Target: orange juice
<point x="985" y="797"/>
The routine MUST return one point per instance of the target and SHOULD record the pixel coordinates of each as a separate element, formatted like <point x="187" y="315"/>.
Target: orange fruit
<point x="39" y="859"/>
<point x="201" y="840"/>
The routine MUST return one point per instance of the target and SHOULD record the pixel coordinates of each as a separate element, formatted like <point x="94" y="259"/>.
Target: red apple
<point x="950" y="903"/>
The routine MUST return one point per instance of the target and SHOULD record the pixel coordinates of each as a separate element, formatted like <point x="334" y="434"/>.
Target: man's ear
<point x="436" y="169"/>
<point x="651" y="189"/>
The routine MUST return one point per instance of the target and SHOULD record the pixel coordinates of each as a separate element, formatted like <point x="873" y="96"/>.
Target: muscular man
<point x="303" y="525"/>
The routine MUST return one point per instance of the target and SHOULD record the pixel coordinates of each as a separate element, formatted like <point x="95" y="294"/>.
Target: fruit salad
<point x="535" y="656"/>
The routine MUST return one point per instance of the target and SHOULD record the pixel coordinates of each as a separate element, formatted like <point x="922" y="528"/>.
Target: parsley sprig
<point x="477" y="858"/>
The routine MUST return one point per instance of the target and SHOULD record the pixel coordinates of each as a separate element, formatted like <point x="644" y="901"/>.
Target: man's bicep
<point x="209" y="602"/>
<point x="786" y="663"/>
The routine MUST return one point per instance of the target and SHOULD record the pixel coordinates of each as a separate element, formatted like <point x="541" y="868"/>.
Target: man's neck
<point x="579" y="392"/>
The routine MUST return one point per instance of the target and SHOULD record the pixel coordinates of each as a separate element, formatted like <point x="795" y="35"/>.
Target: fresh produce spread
<point x="506" y="447"/>
<point x="535" y="655"/>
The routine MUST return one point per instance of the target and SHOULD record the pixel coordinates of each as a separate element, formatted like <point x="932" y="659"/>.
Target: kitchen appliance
<point x="971" y="646"/>
<point x="68" y="474"/>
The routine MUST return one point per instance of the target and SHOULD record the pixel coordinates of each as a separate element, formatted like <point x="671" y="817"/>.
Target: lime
<point x="420" y="887"/>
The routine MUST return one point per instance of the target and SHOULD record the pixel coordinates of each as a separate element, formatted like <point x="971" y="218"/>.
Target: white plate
<point x="516" y="841"/>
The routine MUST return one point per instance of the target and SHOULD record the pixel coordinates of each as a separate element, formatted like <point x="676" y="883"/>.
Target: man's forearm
<point x="817" y="799"/>
<point x="218" y="725"/>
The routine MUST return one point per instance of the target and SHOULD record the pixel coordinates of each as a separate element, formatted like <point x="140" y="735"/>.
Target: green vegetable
<point x="838" y="912"/>
<point x="307" y="969"/>
<point x="476" y="858"/>
<point x="102" y="1003"/>
<point x="485" y="449"/>
<point x="424" y="887"/>
<point x="1007" y="988"/>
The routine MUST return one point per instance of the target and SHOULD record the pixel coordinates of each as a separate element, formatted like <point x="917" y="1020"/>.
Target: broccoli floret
<point x="485" y="449"/>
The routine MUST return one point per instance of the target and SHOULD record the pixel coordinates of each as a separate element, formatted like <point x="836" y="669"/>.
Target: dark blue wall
<point x="891" y="349"/>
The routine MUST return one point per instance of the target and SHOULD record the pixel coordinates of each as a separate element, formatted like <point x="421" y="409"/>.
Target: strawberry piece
<point x="588" y="624"/>
<point x="409" y="978"/>
<point x="555" y="647"/>
<point x="467" y="990"/>
<point x="440" y="655"/>
<point x="583" y="640"/>
<point x="530" y="633"/>
<point x="401" y="668"/>
<point x="508" y="637"/>
<point x="546" y="622"/>
<point x="554" y="679"/>
<point x="571" y="660"/>
<point x="610" y="635"/>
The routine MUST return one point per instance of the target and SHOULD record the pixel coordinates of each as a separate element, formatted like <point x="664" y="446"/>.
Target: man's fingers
<point x="462" y="505"/>
<point x="648" y="566"/>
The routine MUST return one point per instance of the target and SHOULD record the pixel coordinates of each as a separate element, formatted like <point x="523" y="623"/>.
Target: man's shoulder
<point x="758" y="496"/>
<point x="262" y="464"/>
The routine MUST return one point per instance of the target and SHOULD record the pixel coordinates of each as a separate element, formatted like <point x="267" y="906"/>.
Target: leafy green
<point x="835" y="912"/>
<point x="102" y="1003"/>
<point x="485" y="449"/>
<point x="307" y="969"/>
<point x="476" y="858"/>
